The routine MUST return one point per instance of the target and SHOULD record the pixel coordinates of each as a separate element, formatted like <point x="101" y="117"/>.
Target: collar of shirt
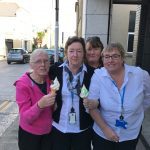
<point x="104" y="72"/>
<point x="129" y="70"/>
<point x="66" y="64"/>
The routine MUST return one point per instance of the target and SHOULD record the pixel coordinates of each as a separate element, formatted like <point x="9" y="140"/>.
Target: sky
<point x="43" y="13"/>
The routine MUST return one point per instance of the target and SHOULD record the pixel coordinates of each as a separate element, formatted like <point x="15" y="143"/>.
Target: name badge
<point x="121" y="123"/>
<point x="72" y="117"/>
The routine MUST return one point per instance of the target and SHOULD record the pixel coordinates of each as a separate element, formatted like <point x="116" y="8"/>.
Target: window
<point x="131" y="28"/>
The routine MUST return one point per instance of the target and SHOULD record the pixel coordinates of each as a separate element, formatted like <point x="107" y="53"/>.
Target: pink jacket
<point x="32" y="119"/>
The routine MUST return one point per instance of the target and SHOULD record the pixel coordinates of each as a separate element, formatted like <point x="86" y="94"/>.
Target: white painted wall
<point x="17" y="28"/>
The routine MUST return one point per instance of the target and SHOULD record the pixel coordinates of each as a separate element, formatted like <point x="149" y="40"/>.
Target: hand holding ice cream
<point x="86" y="102"/>
<point x="54" y="86"/>
<point x="84" y="92"/>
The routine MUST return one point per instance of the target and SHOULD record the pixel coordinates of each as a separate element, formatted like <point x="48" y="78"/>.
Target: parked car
<point x="51" y="53"/>
<point x="18" y="55"/>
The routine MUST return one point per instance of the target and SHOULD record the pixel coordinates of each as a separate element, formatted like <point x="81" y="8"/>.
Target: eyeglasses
<point x="39" y="62"/>
<point x="113" y="57"/>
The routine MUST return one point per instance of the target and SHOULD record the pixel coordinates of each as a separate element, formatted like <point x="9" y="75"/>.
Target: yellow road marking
<point x="4" y="105"/>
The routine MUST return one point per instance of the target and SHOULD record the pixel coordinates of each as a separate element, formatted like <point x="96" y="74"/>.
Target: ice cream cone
<point x="53" y="91"/>
<point x="84" y="92"/>
<point x="54" y="86"/>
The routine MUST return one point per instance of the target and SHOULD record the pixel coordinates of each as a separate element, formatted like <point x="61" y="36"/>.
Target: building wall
<point x="2" y="45"/>
<point x="17" y="44"/>
<point x="5" y="10"/>
<point x="120" y="22"/>
<point x="95" y="19"/>
<point x="16" y="26"/>
<point x="135" y="46"/>
<point x="79" y="17"/>
<point x="119" y="28"/>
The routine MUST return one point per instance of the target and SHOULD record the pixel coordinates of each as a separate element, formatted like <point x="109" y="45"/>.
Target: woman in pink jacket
<point x="35" y="104"/>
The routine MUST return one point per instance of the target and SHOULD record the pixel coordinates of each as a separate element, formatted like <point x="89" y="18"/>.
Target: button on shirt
<point x="64" y="125"/>
<point x="136" y="99"/>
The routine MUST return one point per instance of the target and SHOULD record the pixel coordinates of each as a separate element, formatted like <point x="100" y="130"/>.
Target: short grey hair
<point x="37" y="52"/>
<point x="116" y="45"/>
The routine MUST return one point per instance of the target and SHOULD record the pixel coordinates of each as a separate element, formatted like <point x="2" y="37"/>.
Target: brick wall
<point x="138" y="12"/>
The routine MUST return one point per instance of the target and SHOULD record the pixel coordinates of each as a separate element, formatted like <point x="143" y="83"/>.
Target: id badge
<point x="72" y="117"/>
<point x="121" y="123"/>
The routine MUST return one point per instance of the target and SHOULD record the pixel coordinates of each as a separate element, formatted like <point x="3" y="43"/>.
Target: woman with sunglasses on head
<point x="124" y="94"/>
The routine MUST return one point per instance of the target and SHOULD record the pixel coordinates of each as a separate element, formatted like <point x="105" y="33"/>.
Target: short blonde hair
<point x="116" y="45"/>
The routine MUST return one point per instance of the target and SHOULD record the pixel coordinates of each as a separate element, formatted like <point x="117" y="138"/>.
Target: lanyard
<point x="121" y="96"/>
<point x="72" y="97"/>
<point x="73" y="91"/>
<point x="122" y="99"/>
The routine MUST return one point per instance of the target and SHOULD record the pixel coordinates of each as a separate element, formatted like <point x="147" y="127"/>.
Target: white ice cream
<point x="84" y="92"/>
<point x="55" y="85"/>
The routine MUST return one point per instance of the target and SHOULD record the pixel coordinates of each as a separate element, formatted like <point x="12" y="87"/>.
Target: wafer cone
<point x="53" y="91"/>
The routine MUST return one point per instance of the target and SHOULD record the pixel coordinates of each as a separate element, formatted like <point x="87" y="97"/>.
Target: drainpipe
<point x="109" y="19"/>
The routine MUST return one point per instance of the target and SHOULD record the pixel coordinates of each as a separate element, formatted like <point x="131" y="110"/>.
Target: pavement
<point x="9" y="137"/>
<point x="8" y="140"/>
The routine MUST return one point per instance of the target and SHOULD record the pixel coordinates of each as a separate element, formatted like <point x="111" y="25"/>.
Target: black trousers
<point x="71" y="141"/>
<point x="100" y="143"/>
<point x="28" y="141"/>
